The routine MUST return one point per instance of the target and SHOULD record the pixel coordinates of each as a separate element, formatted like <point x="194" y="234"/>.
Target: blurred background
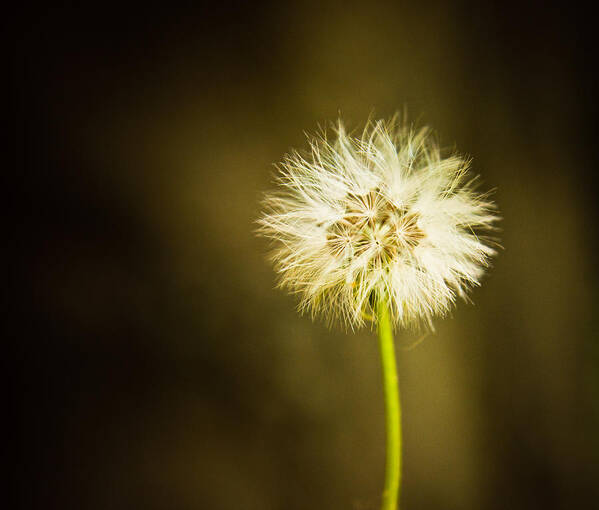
<point x="153" y="362"/>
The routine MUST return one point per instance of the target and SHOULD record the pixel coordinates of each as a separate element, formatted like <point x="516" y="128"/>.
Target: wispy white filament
<point x="379" y="215"/>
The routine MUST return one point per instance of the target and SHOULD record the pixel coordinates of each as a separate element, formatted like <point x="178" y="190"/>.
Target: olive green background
<point x="154" y="363"/>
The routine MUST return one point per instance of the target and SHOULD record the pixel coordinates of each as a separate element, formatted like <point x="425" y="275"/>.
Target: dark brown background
<point x="154" y="364"/>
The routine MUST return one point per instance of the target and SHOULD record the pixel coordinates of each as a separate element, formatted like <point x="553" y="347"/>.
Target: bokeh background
<point x="154" y="363"/>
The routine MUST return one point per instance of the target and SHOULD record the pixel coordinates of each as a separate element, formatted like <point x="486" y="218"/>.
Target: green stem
<point x="392" y="408"/>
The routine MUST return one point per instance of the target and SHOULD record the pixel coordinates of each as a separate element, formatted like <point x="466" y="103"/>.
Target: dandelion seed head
<point x="380" y="215"/>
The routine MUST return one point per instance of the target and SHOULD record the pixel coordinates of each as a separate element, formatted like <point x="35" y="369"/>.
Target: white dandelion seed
<point x="382" y="215"/>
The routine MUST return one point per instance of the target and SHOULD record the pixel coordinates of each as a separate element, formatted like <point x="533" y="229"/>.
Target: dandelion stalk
<point x="391" y="492"/>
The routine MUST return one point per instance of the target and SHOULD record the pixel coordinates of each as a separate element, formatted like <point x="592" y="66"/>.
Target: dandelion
<point x="379" y="227"/>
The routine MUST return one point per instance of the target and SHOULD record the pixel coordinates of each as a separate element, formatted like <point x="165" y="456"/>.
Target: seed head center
<point x="371" y="223"/>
